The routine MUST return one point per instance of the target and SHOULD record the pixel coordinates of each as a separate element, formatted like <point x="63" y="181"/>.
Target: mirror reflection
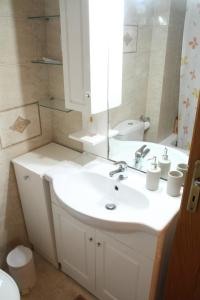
<point x="160" y="83"/>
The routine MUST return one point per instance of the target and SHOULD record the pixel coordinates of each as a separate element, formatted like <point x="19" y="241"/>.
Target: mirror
<point x="160" y="83"/>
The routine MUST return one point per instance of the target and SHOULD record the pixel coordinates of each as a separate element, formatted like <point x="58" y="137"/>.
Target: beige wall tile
<point x="29" y="84"/>
<point x="137" y="12"/>
<point x="135" y="65"/>
<point x="164" y="76"/>
<point x="144" y="39"/>
<point x="53" y="39"/>
<point x="171" y="83"/>
<point x="21" y="8"/>
<point x="161" y="12"/>
<point x="19" y="124"/>
<point x="21" y="40"/>
<point x="155" y="80"/>
<point x="52" y="7"/>
<point x="55" y="83"/>
<point x="178" y="10"/>
<point x="63" y="125"/>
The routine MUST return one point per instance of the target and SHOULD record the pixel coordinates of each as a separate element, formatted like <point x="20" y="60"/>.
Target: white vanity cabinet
<point x="35" y="195"/>
<point x="75" y="247"/>
<point x="107" y="267"/>
<point x="92" y="47"/>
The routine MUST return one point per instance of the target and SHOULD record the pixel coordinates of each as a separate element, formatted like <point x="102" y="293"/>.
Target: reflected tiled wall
<point x="21" y="83"/>
<point x="135" y="63"/>
<point x="164" y="71"/>
<point x="151" y="74"/>
<point x="171" y="81"/>
<point x="155" y="82"/>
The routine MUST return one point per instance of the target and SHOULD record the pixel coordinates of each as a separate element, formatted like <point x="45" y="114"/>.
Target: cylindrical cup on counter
<point x="175" y="180"/>
<point x="183" y="168"/>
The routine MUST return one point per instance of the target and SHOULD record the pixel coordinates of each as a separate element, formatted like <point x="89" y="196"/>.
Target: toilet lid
<point x="8" y="287"/>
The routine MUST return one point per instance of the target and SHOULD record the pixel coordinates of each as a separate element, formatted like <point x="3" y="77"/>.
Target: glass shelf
<point x="54" y="104"/>
<point x="45" y="18"/>
<point x="47" y="62"/>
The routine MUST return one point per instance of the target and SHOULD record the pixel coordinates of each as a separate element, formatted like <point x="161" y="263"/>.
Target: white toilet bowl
<point x="130" y="130"/>
<point x="8" y="287"/>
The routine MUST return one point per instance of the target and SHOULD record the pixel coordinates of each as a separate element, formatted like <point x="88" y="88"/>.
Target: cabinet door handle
<point x="90" y="239"/>
<point x="26" y="177"/>
<point x="98" y="244"/>
<point x="87" y="95"/>
<point x="195" y="189"/>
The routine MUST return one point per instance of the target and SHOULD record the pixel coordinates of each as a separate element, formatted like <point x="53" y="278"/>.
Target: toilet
<point x="131" y="130"/>
<point x="8" y="287"/>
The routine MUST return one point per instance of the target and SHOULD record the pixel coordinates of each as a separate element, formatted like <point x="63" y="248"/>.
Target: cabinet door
<point x="92" y="47"/>
<point x="75" y="51"/>
<point x="122" y="274"/>
<point x="76" y="248"/>
<point x="36" y="204"/>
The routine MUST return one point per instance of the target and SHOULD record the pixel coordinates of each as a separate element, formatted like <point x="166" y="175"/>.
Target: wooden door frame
<point x="179" y="284"/>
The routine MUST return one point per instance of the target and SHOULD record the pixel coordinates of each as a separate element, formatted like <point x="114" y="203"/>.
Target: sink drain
<point x="110" y="206"/>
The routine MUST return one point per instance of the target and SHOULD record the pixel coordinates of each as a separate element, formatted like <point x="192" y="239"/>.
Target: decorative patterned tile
<point x="130" y="38"/>
<point x="19" y="124"/>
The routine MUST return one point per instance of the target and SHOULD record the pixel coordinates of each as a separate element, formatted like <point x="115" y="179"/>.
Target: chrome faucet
<point x="122" y="168"/>
<point x="140" y="153"/>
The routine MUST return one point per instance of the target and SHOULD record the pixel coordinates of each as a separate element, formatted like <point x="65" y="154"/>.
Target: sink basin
<point x="91" y="192"/>
<point x="90" y="195"/>
<point x="94" y="198"/>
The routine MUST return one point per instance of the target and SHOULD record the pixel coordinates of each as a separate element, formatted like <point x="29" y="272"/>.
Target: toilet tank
<point x="130" y="130"/>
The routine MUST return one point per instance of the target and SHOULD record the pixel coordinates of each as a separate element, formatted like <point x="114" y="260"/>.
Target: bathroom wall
<point x="62" y="123"/>
<point x="164" y="70"/>
<point x="137" y="47"/>
<point x="23" y="126"/>
<point x="161" y="13"/>
<point x="171" y="80"/>
<point x="151" y="70"/>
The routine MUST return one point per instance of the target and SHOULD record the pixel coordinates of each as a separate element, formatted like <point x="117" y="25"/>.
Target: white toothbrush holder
<point x="175" y="180"/>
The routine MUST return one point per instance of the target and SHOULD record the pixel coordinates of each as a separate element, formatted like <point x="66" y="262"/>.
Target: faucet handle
<point x="122" y="163"/>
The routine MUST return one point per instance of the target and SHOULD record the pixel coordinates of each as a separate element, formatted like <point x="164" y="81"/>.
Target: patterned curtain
<point x="190" y="74"/>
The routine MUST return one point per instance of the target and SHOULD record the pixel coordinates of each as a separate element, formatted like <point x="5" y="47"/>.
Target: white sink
<point x="91" y="196"/>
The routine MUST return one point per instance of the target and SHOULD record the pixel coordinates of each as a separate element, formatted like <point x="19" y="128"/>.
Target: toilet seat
<point x="8" y="287"/>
